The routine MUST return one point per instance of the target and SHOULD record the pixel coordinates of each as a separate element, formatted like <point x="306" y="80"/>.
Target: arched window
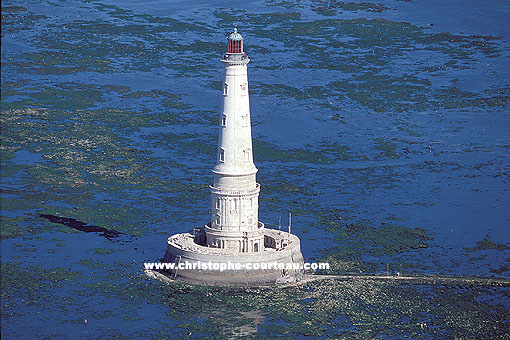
<point x="246" y="155"/>
<point x="222" y="155"/>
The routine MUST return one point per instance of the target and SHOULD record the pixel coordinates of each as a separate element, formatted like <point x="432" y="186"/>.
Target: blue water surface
<point x="394" y="112"/>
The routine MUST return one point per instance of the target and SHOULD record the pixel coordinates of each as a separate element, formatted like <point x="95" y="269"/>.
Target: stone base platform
<point x="246" y="269"/>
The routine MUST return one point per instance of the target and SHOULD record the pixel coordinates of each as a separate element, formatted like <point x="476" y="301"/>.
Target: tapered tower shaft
<point x="234" y="193"/>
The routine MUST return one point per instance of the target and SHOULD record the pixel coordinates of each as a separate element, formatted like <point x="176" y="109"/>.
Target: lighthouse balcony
<point x="235" y="58"/>
<point x="226" y="192"/>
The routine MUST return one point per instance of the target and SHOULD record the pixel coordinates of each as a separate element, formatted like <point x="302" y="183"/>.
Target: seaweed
<point x="487" y="244"/>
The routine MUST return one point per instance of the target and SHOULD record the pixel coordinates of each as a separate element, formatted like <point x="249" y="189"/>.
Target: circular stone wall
<point x="202" y="262"/>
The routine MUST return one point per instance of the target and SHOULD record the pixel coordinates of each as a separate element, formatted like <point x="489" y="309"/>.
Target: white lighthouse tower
<point x="234" y="240"/>
<point x="234" y="193"/>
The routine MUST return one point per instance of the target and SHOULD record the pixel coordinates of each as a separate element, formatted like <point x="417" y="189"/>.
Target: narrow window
<point x="244" y="89"/>
<point x="225" y="89"/>
<point x="223" y="120"/>
<point x="222" y="155"/>
<point x="245" y="120"/>
<point x="246" y="155"/>
<point x="217" y="203"/>
<point x="218" y="220"/>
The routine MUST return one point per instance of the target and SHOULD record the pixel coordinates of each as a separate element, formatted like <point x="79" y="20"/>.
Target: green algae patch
<point x="267" y="151"/>
<point x="387" y="148"/>
<point x="11" y="227"/>
<point x="101" y="251"/>
<point x="139" y="94"/>
<point x="92" y="264"/>
<point x="365" y="48"/>
<point x="356" y="240"/>
<point x="82" y="151"/>
<point x="336" y="151"/>
<point x="29" y="282"/>
<point x="331" y="8"/>
<point x="18" y="18"/>
<point x="14" y="9"/>
<point x="347" y="308"/>
<point x="487" y="244"/>
<point x="500" y="270"/>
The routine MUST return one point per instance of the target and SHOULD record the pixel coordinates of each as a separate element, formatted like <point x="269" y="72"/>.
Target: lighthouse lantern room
<point x="235" y="42"/>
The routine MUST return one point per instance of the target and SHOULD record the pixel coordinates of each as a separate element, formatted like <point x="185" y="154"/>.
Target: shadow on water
<point x="82" y="226"/>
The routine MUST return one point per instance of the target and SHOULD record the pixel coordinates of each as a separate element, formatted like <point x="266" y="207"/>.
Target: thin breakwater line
<point x="418" y="279"/>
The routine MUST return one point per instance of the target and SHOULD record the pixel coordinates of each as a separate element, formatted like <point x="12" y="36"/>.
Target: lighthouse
<point x="234" y="247"/>
<point x="234" y="193"/>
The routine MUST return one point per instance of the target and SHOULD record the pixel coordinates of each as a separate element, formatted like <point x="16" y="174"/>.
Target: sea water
<point x="382" y="127"/>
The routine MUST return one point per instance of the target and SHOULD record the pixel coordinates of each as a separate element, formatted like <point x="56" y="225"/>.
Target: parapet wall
<point x="180" y="250"/>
